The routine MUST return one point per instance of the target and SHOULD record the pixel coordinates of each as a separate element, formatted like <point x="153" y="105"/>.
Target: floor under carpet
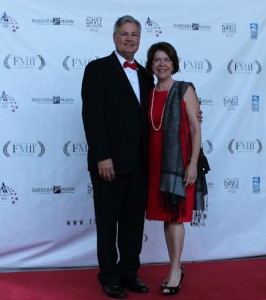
<point x="216" y="280"/>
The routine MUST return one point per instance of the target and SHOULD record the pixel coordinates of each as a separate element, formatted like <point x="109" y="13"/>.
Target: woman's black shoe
<point x="164" y="283"/>
<point x="169" y="290"/>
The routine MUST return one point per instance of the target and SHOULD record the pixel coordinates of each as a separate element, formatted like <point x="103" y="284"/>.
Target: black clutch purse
<point x="203" y="164"/>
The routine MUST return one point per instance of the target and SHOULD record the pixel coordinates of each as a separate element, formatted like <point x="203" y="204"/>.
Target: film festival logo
<point x="152" y="26"/>
<point x="242" y="146"/>
<point x="193" y="26"/>
<point x="254" y="28"/>
<point x="231" y="184"/>
<point x="230" y="102"/>
<point x="210" y="185"/>
<point x="204" y="101"/>
<point x="195" y="65"/>
<point x="229" y="29"/>
<point x="255" y="103"/>
<point x="52" y="100"/>
<point x="75" y="149"/>
<point x="207" y="146"/>
<point x="145" y="238"/>
<point x="8" y="194"/>
<point x="8" y="102"/>
<point x="8" y="21"/>
<point x="57" y="21"/>
<point x="90" y="189"/>
<point x="56" y="189"/>
<point x="256" y="185"/>
<point x="24" y="62"/>
<point x="94" y="23"/>
<point x="76" y="63"/>
<point x="244" y="67"/>
<point x="23" y="149"/>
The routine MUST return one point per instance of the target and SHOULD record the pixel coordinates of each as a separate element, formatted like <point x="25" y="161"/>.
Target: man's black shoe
<point x="114" y="291"/>
<point x="135" y="285"/>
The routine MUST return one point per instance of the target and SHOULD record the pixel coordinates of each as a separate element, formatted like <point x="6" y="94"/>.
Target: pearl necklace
<point x="152" y="100"/>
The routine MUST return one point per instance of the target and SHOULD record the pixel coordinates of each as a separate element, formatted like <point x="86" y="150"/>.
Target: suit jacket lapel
<point x="141" y="84"/>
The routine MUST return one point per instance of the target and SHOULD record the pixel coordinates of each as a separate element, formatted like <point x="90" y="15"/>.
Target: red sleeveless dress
<point x="154" y="210"/>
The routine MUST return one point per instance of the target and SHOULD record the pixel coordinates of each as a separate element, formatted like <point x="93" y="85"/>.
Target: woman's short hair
<point x="168" y="49"/>
<point x="126" y="19"/>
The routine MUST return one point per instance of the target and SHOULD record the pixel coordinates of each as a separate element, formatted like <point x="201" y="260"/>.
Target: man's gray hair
<point x="126" y="19"/>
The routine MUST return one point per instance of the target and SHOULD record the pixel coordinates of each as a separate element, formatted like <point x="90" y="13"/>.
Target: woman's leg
<point x="174" y="236"/>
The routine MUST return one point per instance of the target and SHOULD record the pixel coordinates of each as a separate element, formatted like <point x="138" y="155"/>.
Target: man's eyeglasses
<point x="133" y="35"/>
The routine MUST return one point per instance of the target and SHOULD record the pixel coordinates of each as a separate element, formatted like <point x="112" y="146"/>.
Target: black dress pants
<point x="119" y="210"/>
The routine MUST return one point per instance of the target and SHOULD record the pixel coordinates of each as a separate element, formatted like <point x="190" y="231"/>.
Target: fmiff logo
<point x="195" y="65"/>
<point x="23" y="149"/>
<point x="244" y="67"/>
<point x="13" y="61"/>
<point x="207" y="146"/>
<point x="76" y="63"/>
<point x="245" y="146"/>
<point x="145" y="238"/>
<point x="71" y="148"/>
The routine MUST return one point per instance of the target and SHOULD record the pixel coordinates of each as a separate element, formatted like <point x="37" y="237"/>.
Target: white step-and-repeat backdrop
<point x="46" y="206"/>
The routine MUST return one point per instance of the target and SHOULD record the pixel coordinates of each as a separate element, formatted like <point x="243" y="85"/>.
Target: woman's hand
<point x="190" y="174"/>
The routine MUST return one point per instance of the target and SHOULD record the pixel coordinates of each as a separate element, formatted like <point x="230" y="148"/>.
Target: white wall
<point x="46" y="207"/>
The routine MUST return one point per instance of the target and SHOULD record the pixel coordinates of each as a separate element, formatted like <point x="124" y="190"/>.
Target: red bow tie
<point x="133" y="65"/>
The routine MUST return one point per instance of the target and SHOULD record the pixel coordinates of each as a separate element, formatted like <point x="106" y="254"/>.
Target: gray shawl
<point x="172" y="168"/>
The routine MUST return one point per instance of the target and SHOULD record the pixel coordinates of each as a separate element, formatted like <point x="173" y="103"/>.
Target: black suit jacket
<point x="115" y="122"/>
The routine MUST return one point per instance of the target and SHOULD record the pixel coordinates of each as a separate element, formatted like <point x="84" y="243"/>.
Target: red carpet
<point x="222" y="280"/>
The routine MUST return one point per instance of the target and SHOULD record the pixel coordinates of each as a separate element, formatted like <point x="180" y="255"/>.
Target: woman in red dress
<point x="174" y="145"/>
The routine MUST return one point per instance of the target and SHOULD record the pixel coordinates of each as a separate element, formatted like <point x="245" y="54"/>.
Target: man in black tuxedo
<point x="115" y="109"/>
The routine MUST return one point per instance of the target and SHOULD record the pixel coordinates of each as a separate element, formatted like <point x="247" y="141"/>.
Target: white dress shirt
<point x="132" y="75"/>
